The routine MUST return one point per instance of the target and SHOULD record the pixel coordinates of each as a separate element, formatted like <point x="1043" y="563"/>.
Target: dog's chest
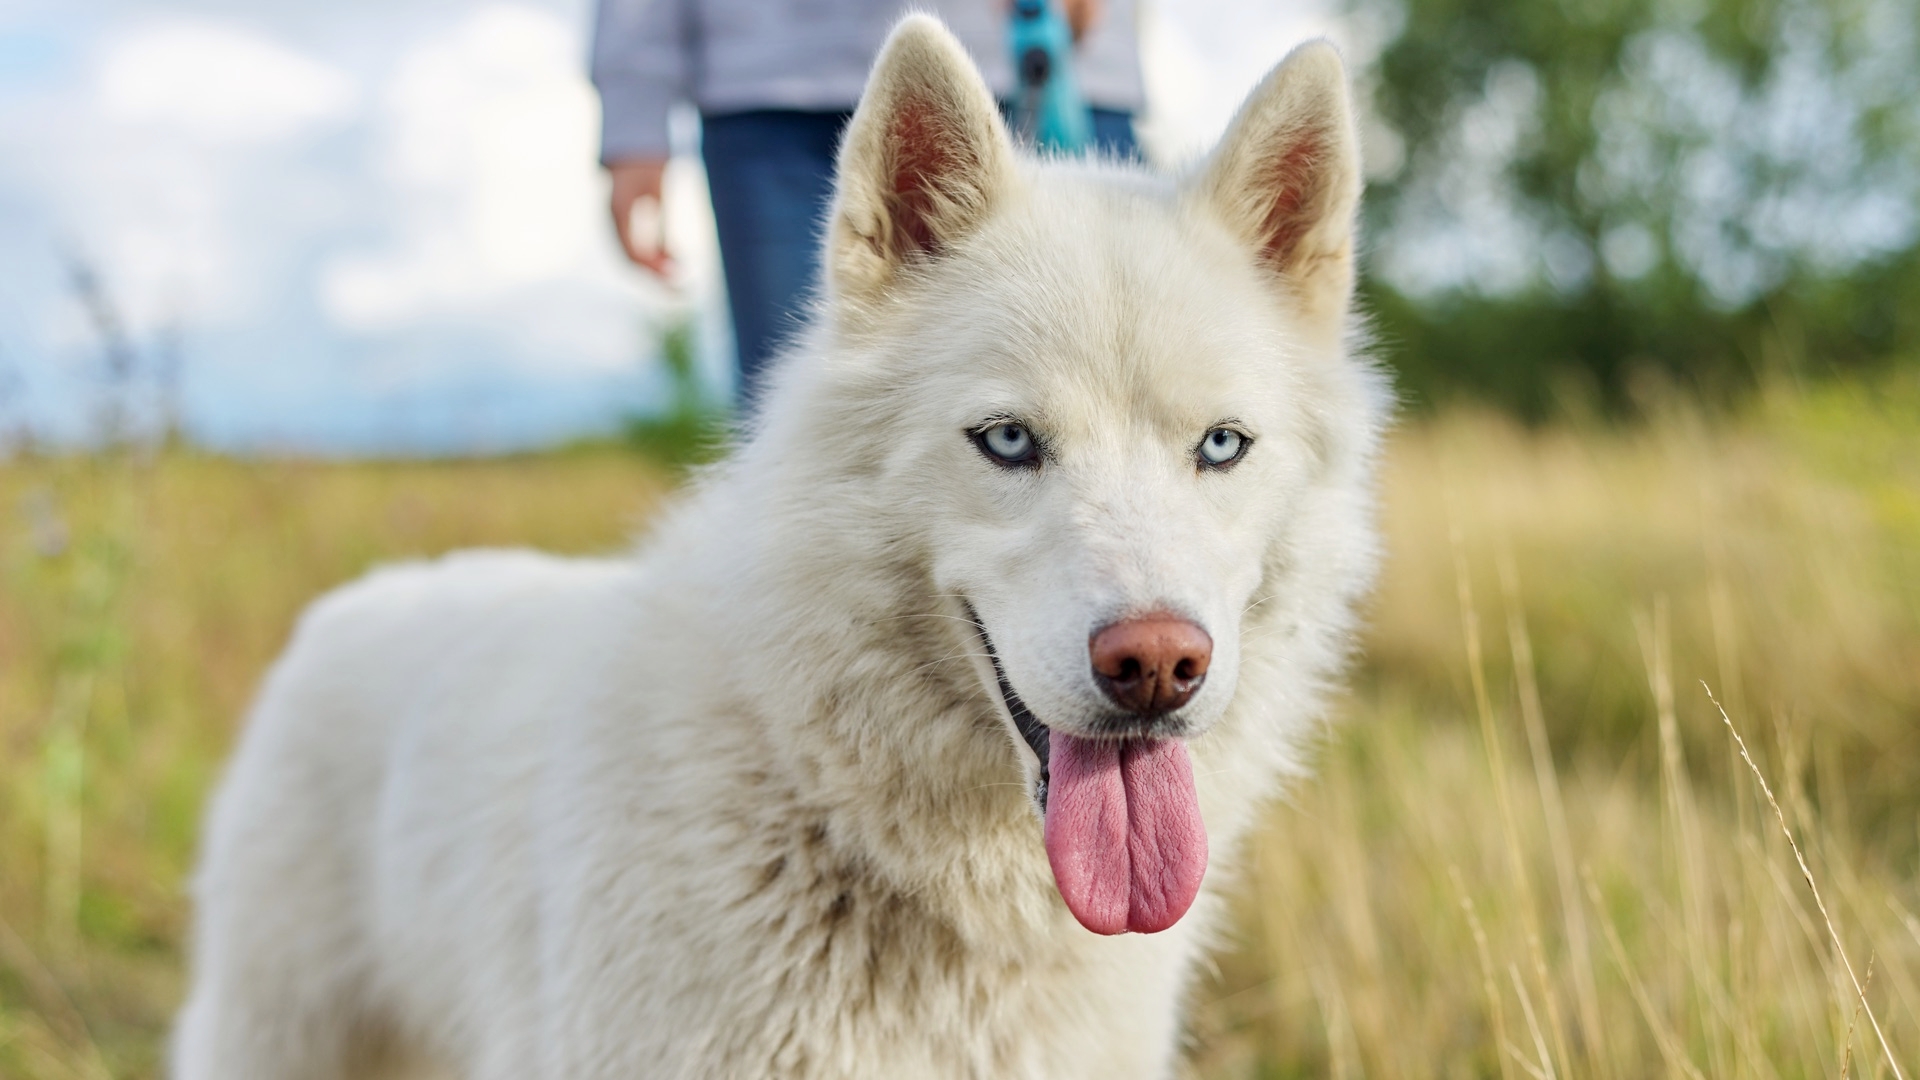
<point x="852" y="979"/>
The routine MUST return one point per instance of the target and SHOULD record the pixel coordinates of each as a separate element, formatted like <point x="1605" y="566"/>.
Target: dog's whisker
<point x="927" y="615"/>
<point x="966" y="655"/>
<point x="1245" y="611"/>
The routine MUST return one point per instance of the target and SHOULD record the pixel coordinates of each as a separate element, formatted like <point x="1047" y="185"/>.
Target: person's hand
<point x="636" y="181"/>
<point x="1081" y="15"/>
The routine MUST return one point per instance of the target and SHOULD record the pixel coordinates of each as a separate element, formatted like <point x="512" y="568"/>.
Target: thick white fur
<point x="748" y="802"/>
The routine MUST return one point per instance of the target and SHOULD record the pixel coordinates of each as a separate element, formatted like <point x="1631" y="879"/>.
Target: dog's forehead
<point x="1096" y="304"/>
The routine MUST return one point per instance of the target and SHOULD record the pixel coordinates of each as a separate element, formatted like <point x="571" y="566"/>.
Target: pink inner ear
<point x="926" y="153"/>
<point x="1293" y="178"/>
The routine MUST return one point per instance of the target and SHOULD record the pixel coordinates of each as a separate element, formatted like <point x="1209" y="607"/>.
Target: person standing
<point x="775" y="82"/>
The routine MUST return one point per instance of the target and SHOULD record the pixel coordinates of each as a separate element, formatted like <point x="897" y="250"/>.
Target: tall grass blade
<point x="1839" y="949"/>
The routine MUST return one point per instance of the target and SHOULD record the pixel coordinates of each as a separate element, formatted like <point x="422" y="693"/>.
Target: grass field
<point x="1530" y="849"/>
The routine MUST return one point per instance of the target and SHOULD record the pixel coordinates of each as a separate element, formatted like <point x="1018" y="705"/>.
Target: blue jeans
<point x="770" y="173"/>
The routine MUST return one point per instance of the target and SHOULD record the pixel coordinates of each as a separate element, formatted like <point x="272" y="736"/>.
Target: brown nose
<point x="1151" y="665"/>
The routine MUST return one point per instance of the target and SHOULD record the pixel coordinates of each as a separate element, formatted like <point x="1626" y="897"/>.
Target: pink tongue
<point x="1123" y="832"/>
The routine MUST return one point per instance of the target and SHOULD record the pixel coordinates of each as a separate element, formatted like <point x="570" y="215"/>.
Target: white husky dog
<point x="1017" y="601"/>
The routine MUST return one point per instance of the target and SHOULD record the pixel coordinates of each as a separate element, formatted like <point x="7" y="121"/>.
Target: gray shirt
<point x="736" y="55"/>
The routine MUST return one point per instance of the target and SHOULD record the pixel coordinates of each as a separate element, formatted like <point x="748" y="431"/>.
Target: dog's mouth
<point x="1121" y="818"/>
<point x="1037" y="735"/>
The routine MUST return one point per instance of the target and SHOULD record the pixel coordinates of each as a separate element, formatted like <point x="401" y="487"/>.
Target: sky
<point x="372" y="228"/>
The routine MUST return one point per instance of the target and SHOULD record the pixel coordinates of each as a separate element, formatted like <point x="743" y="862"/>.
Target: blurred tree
<point x="692" y="429"/>
<point x="1572" y="195"/>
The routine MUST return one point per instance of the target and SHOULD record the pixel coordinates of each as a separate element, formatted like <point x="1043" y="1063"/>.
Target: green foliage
<point x="1589" y="192"/>
<point x="692" y="430"/>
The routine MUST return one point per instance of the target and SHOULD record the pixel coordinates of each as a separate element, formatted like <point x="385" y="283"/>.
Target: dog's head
<point x="1107" y="398"/>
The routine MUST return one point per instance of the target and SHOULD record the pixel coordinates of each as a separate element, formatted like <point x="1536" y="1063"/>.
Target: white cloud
<point x="1201" y="57"/>
<point x="170" y="158"/>
<point x="487" y="155"/>
<point x="218" y="82"/>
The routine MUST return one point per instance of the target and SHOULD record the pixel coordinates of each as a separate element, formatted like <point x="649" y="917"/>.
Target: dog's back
<point x="385" y="774"/>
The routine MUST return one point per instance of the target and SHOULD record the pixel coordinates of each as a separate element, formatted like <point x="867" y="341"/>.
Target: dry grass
<point x="1531" y="848"/>
<point x="127" y="659"/>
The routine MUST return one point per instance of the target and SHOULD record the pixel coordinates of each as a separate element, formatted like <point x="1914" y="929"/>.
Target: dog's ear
<point x="1286" y="177"/>
<point x="922" y="163"/>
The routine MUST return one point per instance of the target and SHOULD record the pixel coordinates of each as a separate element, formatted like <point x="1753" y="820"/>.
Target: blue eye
<point x="1222" y="447"/>
<point x="1008" y="443"/>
